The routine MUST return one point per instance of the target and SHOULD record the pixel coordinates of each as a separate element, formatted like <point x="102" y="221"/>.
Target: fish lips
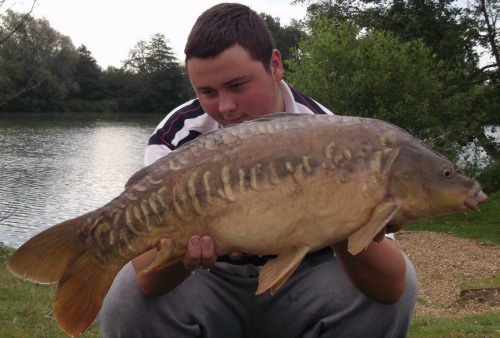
<point x="471" y="202"/>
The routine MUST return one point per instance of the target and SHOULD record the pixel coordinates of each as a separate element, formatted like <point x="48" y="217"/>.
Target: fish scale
<point x="283" y="185"/>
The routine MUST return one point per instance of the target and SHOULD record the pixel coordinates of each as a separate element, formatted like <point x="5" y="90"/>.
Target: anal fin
<point x="164" y="257"/>
<point x="381" y="215"/>
<point x="277" y="271"/>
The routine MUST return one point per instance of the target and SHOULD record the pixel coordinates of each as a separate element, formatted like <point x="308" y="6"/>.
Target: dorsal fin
<point x="139" y="175"/>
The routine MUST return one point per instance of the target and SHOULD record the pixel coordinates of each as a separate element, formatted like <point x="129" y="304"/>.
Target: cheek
<point x="211" y="107"/>
<point x="256" y="103"/>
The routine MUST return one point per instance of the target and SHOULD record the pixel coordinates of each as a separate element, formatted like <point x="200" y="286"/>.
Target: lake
<point x="53" y="168"/>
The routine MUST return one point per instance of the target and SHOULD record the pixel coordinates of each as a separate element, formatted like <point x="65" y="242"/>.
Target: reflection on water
<point x="53" y="169"/>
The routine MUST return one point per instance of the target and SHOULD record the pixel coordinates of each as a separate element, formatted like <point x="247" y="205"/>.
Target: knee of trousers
<point x="124" y="302"/>
<point x="409" y="297"/>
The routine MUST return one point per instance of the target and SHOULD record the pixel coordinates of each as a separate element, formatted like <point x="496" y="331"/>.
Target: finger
<point x="208" y="255"/>
<point x="235" y="255"/>
<point x="192" y="258"/>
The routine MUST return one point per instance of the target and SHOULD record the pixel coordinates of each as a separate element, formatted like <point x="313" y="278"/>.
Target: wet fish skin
<point x="283" y="185"/>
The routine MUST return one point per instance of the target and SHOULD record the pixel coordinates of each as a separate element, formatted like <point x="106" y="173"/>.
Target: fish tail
<point x="56" y="255"/>
<point x="80" y="294"/>
<point x="46" y="257"/>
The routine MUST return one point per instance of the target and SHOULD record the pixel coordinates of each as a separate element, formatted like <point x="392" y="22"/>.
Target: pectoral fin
<point x="381" y="215"/>
<point x="164" y="256"/>
<point x="277" y="271"/>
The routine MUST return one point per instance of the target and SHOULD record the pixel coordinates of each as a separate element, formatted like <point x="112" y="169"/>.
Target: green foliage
<point x="94" y="106"/>
<point x="376" y="74"/>
<point x="441" y="25"/>
<point x="88" y="77"/>
<point x="286" y="38"/>
<point x="36" y="63"/>
<point x="158" y="83"/>
<point x="149" y="57"/>
<point x="467" y="96"/>
<point x="5" y="252"/>
<point x="40" y="71"/>
<point x="490" y="178"/>
<point x="370" y="74"/>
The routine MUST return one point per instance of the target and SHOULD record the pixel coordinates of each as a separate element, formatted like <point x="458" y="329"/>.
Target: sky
<point x="111" y="28"/>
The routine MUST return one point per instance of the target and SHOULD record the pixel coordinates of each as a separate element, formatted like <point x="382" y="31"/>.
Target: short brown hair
<point x="225" y="25"/>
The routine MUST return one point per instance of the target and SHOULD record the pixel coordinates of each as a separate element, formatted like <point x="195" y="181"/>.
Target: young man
<point x="237" y="75"/>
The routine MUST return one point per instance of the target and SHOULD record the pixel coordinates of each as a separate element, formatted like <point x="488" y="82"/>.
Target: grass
<point x="484" y="325"/>
<point x="480" y="282"/>
<point x="26" y="308"/>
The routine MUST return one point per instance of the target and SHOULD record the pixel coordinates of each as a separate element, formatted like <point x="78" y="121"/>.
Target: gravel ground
<point x="446" y="266"/>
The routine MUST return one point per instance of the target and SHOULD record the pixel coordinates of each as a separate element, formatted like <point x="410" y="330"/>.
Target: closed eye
<point x="238" y="86"/>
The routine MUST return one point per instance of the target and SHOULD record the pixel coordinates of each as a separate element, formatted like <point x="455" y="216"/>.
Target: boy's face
<point x="232" y="87"/>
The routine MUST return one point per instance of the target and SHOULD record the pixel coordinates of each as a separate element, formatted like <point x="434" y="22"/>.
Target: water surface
<point x="53" y="168"/>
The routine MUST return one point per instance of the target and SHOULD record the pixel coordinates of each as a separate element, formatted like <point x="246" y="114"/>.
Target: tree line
<point x="42" y="71"/>
<point x="428" y="66"/>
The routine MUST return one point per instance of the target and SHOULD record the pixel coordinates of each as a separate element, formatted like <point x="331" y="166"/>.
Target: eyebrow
<point x="227" y="83"/>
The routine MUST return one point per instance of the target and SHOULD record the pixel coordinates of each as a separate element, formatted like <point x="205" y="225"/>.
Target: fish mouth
<point x="471" y="202"/>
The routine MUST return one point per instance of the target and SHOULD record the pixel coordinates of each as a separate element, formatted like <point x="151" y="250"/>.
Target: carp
<point x="283" y="185"/>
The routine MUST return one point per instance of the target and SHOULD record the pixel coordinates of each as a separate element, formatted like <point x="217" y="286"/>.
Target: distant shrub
<point x="5" y="252"/>
<point x="85" y="106"/>
<point x="490" y="178"/>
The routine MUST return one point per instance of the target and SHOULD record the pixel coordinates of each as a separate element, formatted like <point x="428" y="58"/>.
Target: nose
<point x="227" y="105"/>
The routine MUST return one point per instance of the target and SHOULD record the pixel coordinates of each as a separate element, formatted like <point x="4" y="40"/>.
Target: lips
<point x="471" y="202"/>
<point x="231" y="121"/>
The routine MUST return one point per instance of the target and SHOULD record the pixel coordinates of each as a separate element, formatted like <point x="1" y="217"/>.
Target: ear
<point x="276" y="65"/>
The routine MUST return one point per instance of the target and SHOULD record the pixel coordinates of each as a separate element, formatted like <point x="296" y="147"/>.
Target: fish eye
<point x="447" y="171"/>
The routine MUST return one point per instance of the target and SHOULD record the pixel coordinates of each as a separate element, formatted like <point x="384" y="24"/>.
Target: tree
<point x="469" y="101"/>
<point x="485" y="13"/>
<point x="5" y="34"/>
<point x="372" y="74"/>
<point x="148" y="57"/>
<point x="162" y="82"/>
<point x="120" y="86"/>
<point x="454" y="35"/>
<point x="88" y="76"/>
<point x="36" y="66"/>
<point x="438" y="23"/>
<point x="286" y="38"/>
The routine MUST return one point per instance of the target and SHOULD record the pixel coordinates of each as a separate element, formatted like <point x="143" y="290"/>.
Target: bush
<point x="490" y="178"/>
<point x="86" y="106"/>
